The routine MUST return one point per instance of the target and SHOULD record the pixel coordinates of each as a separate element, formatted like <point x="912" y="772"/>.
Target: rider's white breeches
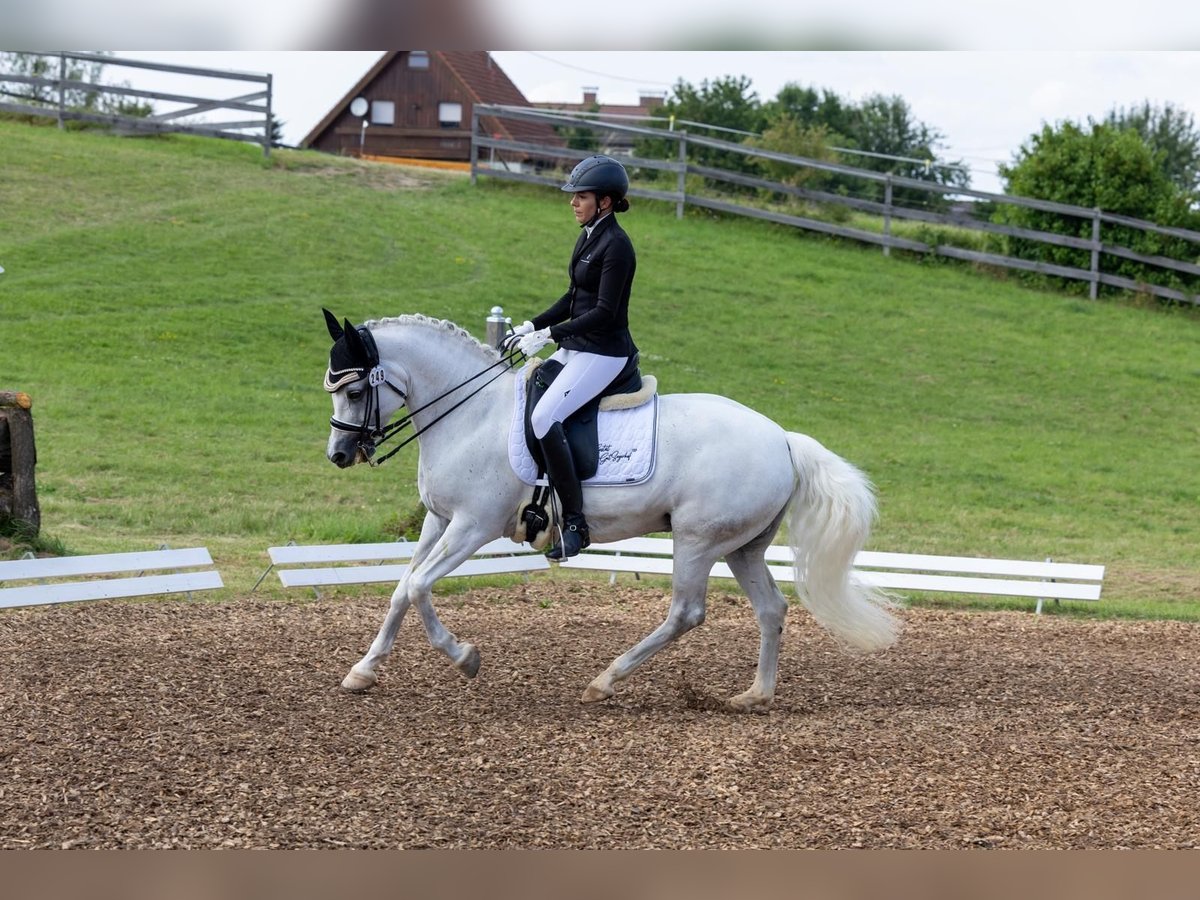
<point x="583" y="377"/>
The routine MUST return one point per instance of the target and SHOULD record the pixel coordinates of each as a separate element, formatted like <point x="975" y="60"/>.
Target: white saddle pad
<point x="627" y="443"/>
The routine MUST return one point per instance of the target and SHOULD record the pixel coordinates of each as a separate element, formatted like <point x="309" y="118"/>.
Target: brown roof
<point x="482" y="76"/>
<point x="488" y="83"/>
<point x="484" y="81"/>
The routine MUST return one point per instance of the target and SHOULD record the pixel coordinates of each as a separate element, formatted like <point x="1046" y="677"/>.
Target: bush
<point x="1102" y="167"/>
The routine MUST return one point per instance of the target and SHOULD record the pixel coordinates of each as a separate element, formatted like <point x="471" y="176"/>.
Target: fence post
<point x="62" y="88"/>
<point x="497" y="326"/>
<point x="887" y="213"/>
<point x="18" y="456"/>
<point x="681" y="181"/>
<point x="474" y="146"/>
<point x="267" y="128"/>
<point x="1094" y="288"/>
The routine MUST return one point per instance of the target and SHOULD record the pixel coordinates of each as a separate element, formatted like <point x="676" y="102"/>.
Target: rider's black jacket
<point x="593" y="315"/>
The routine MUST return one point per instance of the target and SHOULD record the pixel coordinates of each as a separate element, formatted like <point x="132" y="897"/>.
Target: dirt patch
<point x="177" y="724"/>
<point x="1163" y="584"/>
<point x="381" y="176"/>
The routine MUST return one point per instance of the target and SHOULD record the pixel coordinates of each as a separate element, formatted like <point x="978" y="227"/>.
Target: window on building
<point x="418" y="59"/>
<point x="449" y="114"/>
<point x="383" y="112"/>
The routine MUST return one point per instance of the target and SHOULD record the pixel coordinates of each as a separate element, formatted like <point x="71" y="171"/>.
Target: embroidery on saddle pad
<point x="627" y="437"/>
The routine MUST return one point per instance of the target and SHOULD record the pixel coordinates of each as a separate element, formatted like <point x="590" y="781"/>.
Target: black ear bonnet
<point x="354" y="355"/>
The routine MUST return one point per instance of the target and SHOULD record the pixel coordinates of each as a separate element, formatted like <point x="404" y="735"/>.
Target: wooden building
<point x="418" y="104"/>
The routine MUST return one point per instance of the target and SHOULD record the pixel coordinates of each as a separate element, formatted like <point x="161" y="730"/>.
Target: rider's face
<point x="584" y="205"/>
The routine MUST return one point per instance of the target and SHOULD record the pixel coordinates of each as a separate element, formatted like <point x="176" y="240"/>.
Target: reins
<point x="379" y="434"/>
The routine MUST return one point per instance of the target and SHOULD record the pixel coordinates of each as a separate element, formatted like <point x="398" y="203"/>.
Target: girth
<point x="581" y="426"/>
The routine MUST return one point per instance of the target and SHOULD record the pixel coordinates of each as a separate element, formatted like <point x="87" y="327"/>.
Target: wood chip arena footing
<point x="200" y="724"/>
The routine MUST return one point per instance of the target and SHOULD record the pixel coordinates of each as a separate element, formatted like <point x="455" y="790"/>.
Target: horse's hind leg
<point x="749" y="566"/>
<point x="688" y="587"/>
<point x="361" y="676"/>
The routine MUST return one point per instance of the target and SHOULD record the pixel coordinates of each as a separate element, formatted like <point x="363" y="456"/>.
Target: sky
<point x="985" y="103"/>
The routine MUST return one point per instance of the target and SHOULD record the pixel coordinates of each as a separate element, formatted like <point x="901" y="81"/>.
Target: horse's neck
<point x="436" y="362"/>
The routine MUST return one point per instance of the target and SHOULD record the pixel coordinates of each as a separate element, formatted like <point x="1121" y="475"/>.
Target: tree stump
<point x="18" y="457"/>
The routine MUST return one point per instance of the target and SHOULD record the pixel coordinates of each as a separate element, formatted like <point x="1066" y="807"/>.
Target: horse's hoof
<point x="595" y="693"/>
<point x="469" y="664"/>
<point x="749" y="702"/>
<point x="357" y="681"/>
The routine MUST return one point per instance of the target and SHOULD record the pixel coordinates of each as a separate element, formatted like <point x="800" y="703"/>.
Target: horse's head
<point x="360" y="409"/>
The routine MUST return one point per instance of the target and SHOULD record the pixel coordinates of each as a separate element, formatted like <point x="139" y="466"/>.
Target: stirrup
<point x="575" y="537"/>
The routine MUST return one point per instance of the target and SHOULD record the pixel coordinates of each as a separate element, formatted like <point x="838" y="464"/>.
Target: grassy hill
<point x="162" y="306"/>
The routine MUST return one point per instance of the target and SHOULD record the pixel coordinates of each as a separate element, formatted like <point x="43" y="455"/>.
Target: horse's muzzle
<point x="344" y="457"/>
<point x="341" y="460"/>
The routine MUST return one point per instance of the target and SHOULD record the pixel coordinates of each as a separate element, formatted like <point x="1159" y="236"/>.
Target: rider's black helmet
<point x="601" y="174"/>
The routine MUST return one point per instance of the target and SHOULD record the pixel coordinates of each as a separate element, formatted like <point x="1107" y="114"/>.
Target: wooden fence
<point x="889" y="211"/>
<point x="254" y="129"/>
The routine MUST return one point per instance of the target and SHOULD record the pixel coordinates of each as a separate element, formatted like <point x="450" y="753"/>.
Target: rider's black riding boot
<point x="561" y="469"/>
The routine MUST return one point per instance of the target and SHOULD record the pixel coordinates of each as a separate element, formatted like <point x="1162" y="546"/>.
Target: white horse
<point x="725" y="479"/>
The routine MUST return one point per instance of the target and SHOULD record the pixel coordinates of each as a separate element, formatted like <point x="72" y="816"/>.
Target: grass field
<point x="162" y="306"/>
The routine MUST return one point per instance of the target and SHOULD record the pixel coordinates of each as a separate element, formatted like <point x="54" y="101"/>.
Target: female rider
<point x="590" y="324"/>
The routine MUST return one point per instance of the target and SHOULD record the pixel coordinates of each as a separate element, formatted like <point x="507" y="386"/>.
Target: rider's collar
<point x="595" y="223"/>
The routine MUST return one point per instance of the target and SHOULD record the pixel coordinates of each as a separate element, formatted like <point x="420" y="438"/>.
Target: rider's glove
<point x="517" y="333"/>
<point x="534" y="341"/>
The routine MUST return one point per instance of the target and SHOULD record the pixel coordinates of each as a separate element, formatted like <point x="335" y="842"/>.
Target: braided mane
<point x="443" y="325"/>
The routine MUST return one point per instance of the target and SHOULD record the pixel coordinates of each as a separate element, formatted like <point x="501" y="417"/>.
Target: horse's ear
<point x="354" y="343"/>
<point x="331" y="322"/>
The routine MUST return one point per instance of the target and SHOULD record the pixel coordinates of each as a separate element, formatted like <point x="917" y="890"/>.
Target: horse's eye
<point x="355" y="394"/>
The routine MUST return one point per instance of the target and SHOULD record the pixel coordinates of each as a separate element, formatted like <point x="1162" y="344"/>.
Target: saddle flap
<point x="624" y="438"/>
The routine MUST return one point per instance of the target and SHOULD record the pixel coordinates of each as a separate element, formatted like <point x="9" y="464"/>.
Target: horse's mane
<point x="443" y="325"/>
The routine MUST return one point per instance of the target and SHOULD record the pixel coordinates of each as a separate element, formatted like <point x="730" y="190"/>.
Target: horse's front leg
<point x="361" y="676"/>
<point x="452" y="549"/>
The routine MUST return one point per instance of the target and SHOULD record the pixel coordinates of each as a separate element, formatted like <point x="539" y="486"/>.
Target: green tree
<point x="275" y="131"/>
<point x="886" y="127"/>
<point x="809" y="119"/>
<point x="1089" y="165"/>
<point x="788" y="135"/>
<point x="1171" y="133"/>
<point x="812" y="108"/>
<point x="1095" y="166"/>
<point x="727" y="103"/>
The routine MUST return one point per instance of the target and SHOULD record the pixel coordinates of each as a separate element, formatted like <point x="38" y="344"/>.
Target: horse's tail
<point x="829" y="519"/>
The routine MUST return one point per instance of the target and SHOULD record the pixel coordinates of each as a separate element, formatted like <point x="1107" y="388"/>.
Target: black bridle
<point x="371" y="435"/>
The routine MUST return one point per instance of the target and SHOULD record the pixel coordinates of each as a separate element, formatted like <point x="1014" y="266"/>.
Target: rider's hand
<point x="511" y="340"/>
<point x="534" y="341"/>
